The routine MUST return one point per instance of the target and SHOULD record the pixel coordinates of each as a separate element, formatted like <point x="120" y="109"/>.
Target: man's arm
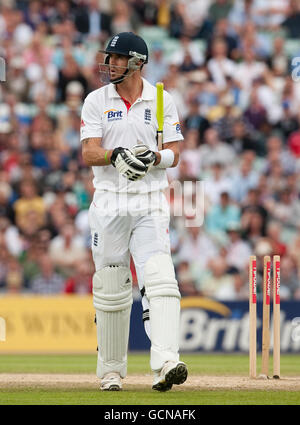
<point x="93" y="154"/>
<point x="173" y="146"/>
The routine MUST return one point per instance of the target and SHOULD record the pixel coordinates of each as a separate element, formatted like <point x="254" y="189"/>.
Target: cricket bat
<point x="160" y="113"/>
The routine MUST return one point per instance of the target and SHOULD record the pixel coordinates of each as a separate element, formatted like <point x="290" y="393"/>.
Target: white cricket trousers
<point x="130" y="224"/>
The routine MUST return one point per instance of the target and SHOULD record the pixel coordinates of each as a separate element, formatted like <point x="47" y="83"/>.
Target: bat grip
<point x="159" y="139"/>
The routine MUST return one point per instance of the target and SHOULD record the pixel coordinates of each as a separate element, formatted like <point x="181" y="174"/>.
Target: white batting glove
<point x="127" y="164"/>
<point x="144" y="154"/>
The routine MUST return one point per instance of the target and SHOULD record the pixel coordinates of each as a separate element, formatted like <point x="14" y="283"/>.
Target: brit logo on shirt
<point x="147" y="116"/>
<point x="113" y="115"/>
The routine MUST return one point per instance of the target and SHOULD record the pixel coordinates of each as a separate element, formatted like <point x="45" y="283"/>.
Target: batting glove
<point x="144" y="154"/>
<point x="127" y="164"/>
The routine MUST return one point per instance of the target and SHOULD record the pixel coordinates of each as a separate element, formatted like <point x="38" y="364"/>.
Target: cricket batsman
<point x="129" y="214"/>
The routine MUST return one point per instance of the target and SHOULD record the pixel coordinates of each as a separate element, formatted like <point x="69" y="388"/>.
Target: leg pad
<point x="112" y="295"/>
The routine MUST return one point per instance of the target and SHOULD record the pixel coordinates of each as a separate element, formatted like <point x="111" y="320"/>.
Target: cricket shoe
<point x="111" y="382"/>
<point x="171" y="373"/>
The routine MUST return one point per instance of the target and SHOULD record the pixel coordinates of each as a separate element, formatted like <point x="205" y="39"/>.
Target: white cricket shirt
<point x="104" y="114"/>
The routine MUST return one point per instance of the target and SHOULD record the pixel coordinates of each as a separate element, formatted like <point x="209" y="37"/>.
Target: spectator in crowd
<point x="11" y="235"/>
<point x="292" y="21"/>
<point x="275" y="176"/>
<point x="91" y="22"/>
<point x="238" y="251"/>
<point x="273" y="233"/>
<point x="223" y="30"/>
<point x="214" y="150"/>
<point x="17" y="82"/>
<point x="294" y="143"/>
<point x="197" y="248"/>
<point x="195" y="120"/>
<point x="163" y="13"/>
<point x="244" y="178"/>
<point x="216" y="183"/>
<point x="186" y="281"/>
<point x="61" y="13"/>
<point x="47" y="281"/>
<point x="157" y="68"/>
<point x="177" y="23"/>
<point x="279" y="153"/>
<point x="6" y="193"/>
<point x="241" y="287"/>
<point x="278" y="61"/>
<point x="254" y="201"/>
<point x="14" y="276"/>
<point x="66" y="249"/>
<point x="38" y="150"/>
<point x="29" y="257"/>
<point x="221" y="214"/>
<point x="191" y="154"/>
<point x="249" y="70"/>
<point x="124" y="18"/>
<point x="289" y="282"/>
<point x="289" y="123"/>
<point x="55" y="170"/>
<point x="174" y="84"/>
<point x="69" y="72"/>
<point x="29" y="205"/>
<point x="255" y="230"/>
<point x="187" y="53"/>
<point x="270" y="14"/>
<point x="268" y="98"/>
<point x="68" y="123"/>
<point x="80" y="282"/>
<point x="287" y="209"/>
<point x="191" y="16"/>
<point x="250" y="38"/>
<point x="34" y="15"/>
<point x="147" y="11"/>
<point x="244" y="138"/>
<point x="241" y="13"/>
<point x="228" y="115"/>
<point x="219" y="10"/>
<point x="220" y="66"/>
<point x="255" y="115"/>
<point x="218" y="284"/>
<point x="40" y="72"/>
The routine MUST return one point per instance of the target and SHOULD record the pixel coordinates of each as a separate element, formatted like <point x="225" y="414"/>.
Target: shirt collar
<point x="147" y="93"/>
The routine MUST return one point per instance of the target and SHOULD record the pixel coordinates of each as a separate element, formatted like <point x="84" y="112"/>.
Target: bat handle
<point x="159" y="138"/>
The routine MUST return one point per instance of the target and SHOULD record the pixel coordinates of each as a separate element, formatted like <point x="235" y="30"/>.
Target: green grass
<point x="146" y="397"/>
<point x="217" y="364"/>
<point x="199" y="364"/>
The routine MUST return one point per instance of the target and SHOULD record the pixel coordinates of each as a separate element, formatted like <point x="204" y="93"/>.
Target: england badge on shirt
<point x="147" y="116"/>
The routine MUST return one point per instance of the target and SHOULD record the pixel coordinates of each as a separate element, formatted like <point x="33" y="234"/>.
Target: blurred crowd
<point x="231" y="78"/>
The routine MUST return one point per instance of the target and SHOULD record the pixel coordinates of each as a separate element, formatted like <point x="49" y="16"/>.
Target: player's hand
<point x="127" y="164"/>
<point x="144" y="154"/>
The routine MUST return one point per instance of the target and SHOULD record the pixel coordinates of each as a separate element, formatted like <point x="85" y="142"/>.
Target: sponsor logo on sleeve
<point x="177" y="127"/>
